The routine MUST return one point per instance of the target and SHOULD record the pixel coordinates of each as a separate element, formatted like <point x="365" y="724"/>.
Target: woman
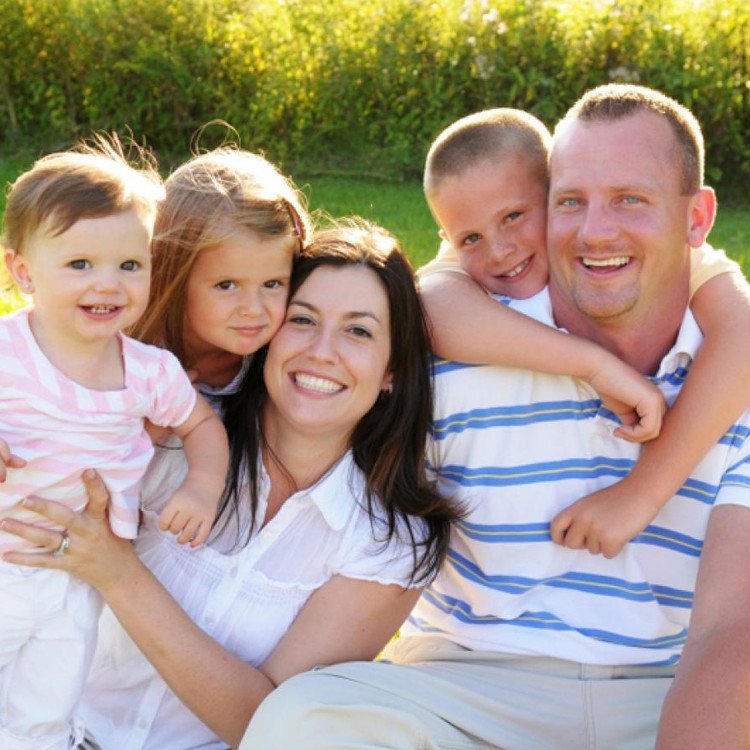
<point x="343" y="526"/>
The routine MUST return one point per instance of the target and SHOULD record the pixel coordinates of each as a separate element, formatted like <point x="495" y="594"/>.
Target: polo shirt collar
<point x="689" y="337"/>
<point x="685" y="348"/>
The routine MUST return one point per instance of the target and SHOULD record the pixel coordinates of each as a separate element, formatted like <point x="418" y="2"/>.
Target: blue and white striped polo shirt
<point x="516" y="447"/>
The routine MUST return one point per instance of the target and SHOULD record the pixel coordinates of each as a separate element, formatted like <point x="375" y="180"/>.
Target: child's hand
<point x="635" y="400"/>
<point x="189" y="515"/>
<point x="8" y="460"/>
<point x="603" y="522"/>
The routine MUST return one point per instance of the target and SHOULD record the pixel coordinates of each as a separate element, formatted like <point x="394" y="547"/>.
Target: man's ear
<point x="701" y="215"/>
<point x="442" y="235"/>
<point x="19" y="271"/>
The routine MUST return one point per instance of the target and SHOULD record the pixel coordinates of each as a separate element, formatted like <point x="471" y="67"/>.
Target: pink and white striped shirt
<point x="60" y="427"/>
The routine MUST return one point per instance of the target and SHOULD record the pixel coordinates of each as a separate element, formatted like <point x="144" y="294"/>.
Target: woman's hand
<point x="92" y="552"/>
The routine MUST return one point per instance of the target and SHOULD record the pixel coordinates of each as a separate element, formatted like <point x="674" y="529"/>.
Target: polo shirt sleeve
<point x="734" y="488"/>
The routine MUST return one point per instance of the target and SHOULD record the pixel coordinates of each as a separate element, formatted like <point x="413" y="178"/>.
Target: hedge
<point x="359" y="86"/>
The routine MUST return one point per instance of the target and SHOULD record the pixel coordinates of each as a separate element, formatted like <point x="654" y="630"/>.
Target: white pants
<point x="47" y="636"/>
<point x="440" y="695"/>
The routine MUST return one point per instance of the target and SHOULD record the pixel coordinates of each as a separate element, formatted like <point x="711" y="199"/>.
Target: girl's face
<point x="236" y="294"/>
<point x="329" y="361"/>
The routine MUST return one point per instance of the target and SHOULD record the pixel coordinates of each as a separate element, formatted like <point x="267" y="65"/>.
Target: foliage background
<point x="359" y="86"/>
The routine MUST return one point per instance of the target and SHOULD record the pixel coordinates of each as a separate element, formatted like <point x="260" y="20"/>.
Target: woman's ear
<point x="387" y="385"/>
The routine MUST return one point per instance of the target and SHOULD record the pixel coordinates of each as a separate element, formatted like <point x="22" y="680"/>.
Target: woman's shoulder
<point x="368" y="549"/>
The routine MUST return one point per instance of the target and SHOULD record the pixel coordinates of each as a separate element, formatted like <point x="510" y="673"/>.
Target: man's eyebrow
<point x="624" y="188"/>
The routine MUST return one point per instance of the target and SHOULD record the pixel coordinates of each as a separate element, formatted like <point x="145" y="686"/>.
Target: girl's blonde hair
<point x="207" y="199"/>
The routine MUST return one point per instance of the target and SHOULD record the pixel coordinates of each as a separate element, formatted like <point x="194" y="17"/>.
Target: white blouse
<point x="245" y="599"/>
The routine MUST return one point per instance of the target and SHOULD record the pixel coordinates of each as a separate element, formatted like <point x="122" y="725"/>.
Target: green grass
<point x="732" y="232"/>
<point x="399" y="207"/>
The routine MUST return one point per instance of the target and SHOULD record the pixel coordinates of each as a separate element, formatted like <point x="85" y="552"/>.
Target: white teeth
<point x="316" y="384"/>
<point x="621" y="260"/>
<point x="101" y="309"/>
<point x="518" y="269"/>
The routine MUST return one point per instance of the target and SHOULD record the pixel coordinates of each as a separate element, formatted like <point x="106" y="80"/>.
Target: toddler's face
<point x="495" y="216"/>
<point x="91" y="280"/>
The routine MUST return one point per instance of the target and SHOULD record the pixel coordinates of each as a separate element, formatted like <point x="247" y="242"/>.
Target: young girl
<point x="75" y="391"/>
<point x="224" y="244"/>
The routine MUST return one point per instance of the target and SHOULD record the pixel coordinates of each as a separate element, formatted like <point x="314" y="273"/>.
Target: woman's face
<point x="329" y="361"/>
<point x="236" y="294"/>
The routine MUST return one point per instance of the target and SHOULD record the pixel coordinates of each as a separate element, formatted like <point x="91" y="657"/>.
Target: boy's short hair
<point x="615" y="101"/>
<point x="91" y="181"/>
<point x="489" y="135"/>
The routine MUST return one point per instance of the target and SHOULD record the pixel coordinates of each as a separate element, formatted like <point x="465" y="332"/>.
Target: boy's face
<point x="89" y="282"/>
<point x="495" y="214"/>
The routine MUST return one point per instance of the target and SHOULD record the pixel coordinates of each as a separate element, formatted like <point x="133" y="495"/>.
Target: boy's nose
<point x="499" y="251"/>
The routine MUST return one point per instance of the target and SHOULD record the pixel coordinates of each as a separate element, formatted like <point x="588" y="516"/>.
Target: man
<point x="520" y="643"/>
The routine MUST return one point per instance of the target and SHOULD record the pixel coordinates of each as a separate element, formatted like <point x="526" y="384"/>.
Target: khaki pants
<point x="439" y="695"/>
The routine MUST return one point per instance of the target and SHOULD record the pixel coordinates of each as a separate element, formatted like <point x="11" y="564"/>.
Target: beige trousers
<point x="433" y="694"/>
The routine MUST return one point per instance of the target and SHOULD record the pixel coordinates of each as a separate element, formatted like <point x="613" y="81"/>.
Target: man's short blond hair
<point x="616" y="101"/>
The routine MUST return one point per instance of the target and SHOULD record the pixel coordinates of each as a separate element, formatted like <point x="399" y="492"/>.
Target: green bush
<point x="359" y="86"/>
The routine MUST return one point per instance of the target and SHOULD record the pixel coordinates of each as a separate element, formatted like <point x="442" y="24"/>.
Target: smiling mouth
<point x="313" y="383"/>
<point x="100" y="309"/>
<point x="619" y="261"/>
<point x="518" y="270"/>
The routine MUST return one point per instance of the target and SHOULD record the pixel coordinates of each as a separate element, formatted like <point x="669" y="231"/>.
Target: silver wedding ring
<point x="64" y="544"/>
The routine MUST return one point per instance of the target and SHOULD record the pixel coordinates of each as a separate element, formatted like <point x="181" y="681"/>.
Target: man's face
<point x="618" y="225"/>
